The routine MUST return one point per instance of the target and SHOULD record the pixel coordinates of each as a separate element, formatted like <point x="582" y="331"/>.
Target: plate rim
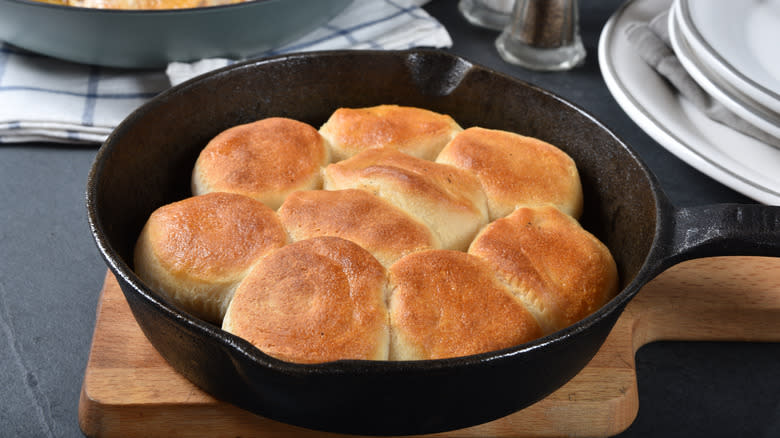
<point x="716" y="62"/>
<point x="719" y="87"/>
<point x="655" y="129"/>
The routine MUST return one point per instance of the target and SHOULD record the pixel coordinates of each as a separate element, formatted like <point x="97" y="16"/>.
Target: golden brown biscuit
<point x="266" y="160"/>
<point x="448" y="304"/>
<point x="415" y="131"/>
<point x="197" y="250"/>
<point x="383" y="229"/>
<point x="315" y="300"/>
<point x="516" y="170"/>
<point x="561" y="271"/>
<point x="448" y="200"/>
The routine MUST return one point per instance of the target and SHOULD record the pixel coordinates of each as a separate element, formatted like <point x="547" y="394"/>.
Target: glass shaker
<point x="491" y="14"/>
<point x="543" y="35"/>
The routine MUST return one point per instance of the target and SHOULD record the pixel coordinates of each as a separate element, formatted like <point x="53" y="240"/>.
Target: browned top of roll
<point x="315" y="300"/>
<point x="448" y="303"/>
<point x="212" y="236"/>
<point x="416" y="131"/>
<point x="516" y="170"/>
<point x="381" y="169"/>
<point x="448" y="200"/>
<point x="557" y="266"/>
<point x="265" y="159"/>
<point x="378" y="226"/>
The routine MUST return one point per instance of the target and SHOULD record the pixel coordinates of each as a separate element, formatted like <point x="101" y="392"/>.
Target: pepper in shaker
<point x="543" y="35"/>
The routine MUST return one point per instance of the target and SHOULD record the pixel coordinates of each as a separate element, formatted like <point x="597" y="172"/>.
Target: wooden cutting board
<point x="130" y="391"/>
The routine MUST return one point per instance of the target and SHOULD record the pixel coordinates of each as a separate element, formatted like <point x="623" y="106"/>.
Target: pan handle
<point x="721" y="230"/>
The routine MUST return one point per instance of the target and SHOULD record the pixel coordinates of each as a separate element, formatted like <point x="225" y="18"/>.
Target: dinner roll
<point x="561" y="271"/>
<point x="448" y="303"/>
<point x="386" y="231"/>
<point x="196" y="251"/>
<point x="516" y="170"/>
<point x="446" y="199"/>
<point x="315" y="300"/>
<point x="416" y="131"/>
<point x="266" y="160"/>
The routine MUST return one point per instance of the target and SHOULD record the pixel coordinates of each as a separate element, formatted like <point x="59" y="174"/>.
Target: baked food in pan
<point x="446" y="199"/>
<point x="315" y="300"/>
<point x="515" y="170"/>
<point x="559" y="270"/>
<point x="448" y="303"/>
<point x="386" y="231"/>
<point x="416" y="131"/>
<point x="400" y="257"/>
<point x="196" y="251"/>
<point x="266" y="160"/>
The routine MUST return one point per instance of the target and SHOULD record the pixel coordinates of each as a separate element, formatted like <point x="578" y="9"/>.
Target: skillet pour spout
<point x="147" y="162"/>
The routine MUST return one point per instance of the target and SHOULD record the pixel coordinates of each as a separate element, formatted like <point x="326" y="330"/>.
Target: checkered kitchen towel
<point x="44" y="99"/>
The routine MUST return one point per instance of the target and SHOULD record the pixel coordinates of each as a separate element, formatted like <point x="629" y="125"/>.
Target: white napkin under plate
<point x="46" y="99"/>
<point x="652" y="43"/>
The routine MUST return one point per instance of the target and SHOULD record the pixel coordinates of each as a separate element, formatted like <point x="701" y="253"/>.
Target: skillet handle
<point x="722" y="230"/>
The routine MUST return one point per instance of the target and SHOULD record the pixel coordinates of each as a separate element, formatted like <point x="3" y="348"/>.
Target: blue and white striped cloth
<point x="45" y="99"/>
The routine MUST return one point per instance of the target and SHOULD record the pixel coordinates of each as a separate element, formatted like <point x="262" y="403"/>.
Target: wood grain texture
<point x="130" y="391"/>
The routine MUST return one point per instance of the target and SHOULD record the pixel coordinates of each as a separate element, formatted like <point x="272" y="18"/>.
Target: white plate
<point x="718" y="87"/>
<point x="738" y="40"/>
<point x="736" y="160"/>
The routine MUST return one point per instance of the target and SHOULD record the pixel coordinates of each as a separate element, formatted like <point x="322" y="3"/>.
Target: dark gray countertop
<point x="50" y="275"/>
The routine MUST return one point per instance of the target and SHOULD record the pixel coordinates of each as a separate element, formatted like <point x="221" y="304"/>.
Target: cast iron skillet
<point x="153" y="38"/>
<point x="147" y="163"/>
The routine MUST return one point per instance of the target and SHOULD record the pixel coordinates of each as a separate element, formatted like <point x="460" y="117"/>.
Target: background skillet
<point x="152" y="39"/>
<point x="146" y="163"/>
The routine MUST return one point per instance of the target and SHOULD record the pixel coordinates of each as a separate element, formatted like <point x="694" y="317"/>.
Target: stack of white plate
<point x="732" y="50"/>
